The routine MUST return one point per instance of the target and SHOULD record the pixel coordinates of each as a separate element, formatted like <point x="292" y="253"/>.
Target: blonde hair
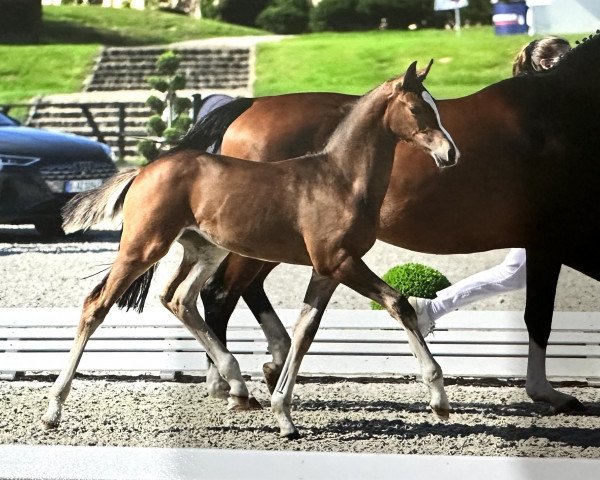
<point x="540" y="55"/>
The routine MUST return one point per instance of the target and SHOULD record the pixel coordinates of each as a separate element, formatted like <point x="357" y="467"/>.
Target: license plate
<point x="74" y="186"/>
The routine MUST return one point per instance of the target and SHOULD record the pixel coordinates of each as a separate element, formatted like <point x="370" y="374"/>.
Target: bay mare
<point x="528" y="177"/>
<point x="320" y="210"/>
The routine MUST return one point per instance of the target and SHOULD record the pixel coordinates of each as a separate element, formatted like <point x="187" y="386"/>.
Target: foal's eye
<point x="416" y="110"/>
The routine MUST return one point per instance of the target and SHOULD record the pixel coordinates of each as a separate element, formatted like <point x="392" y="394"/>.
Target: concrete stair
<point x="127" y="68"/>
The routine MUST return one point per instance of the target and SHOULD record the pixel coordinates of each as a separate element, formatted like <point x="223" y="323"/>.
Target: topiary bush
<point x="414" y="280"/>
<point x="170" y="119"/>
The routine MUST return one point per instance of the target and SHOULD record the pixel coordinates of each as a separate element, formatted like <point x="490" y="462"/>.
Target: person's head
<point x="540" y="55"/>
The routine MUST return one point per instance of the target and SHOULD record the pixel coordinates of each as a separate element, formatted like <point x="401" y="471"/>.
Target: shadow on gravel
<point x="364" y="430"/>
<point x="353" y="430"/>
<point x="24" y="240"/>
<point x="491" y="410"/>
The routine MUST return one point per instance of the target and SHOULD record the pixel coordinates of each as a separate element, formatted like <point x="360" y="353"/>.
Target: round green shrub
<point x="414" y="280"/>
<point x="168" y="63"/>
<point x="158" y="83"/>
<point x="177" y="82"/>
<point x="181" y="104"/>
<point x="172" y="135"/>
<point x="156" y="125"/>
<point x="147" y="149"/>
<point x="155" y="104"/>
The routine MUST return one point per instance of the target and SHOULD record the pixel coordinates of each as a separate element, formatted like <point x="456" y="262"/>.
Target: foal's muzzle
<point x="445" y="155"/>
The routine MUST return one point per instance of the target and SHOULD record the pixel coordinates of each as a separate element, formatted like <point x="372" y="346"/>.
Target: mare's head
<point x="412" y="115"/>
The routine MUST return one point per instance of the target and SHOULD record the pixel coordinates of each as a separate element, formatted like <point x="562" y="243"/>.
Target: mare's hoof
<point x="271" y="373"/>
<point x="441" y="413"/>
<point x="572" y="406"/>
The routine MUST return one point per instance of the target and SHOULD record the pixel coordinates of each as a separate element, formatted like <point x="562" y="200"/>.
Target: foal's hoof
<point x="48" y="425"/>
<point x="440" y="413"/>
<point x="238" y="404"/>
<point x="271" y="373"/>
<point x="571" y="406"/>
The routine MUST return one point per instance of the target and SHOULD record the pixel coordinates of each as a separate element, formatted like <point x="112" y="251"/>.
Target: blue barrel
<point x="510" y="18"/>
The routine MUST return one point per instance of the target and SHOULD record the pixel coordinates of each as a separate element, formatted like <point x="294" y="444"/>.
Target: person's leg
<point x="504" y="277"/>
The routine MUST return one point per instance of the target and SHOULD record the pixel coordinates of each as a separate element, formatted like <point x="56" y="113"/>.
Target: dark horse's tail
<point x="209" y="130"/>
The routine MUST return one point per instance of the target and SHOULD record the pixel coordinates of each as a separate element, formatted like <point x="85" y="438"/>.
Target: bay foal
<point x="320" y="210"/>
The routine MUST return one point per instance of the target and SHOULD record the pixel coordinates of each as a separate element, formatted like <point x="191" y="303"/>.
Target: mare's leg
<point x="317" y="296"/>
<point x="278" y="339"/>
<point x="354" y="273"/>
<point x="542" y="276"/>
<point x="135" y="257"/>
<point x="183" y="303"/>
<point x="220" y="294"/>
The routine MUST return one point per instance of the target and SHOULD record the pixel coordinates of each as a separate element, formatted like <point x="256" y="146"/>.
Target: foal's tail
<point x="87" y="209"/>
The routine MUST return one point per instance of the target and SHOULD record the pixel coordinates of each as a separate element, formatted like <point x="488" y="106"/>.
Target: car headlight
<point x="17" y="160"/>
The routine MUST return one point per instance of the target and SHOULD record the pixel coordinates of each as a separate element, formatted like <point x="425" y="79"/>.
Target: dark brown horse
<point x="528" y="177"/>
<point x="320" y="210"/>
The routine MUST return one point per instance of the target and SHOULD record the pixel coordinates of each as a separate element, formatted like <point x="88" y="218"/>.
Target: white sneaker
<point x="425" y="323"/>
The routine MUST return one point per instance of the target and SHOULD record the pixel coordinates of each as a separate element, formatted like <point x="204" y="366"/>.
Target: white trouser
<point x="504" y="277"/>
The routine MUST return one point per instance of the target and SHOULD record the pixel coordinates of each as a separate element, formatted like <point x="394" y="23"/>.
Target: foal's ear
<point x="411" y="81"/>
<point x="422" y="74"/>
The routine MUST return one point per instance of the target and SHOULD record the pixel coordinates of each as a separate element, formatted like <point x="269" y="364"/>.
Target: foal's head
<point x="412" y="115"/>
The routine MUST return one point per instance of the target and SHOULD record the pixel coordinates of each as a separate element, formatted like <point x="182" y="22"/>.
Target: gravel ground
<point x="379" y="415"/>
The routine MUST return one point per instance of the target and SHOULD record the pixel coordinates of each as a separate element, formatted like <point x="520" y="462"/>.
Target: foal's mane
<point x="354" y="113"/>
<point x="583" y="58"/>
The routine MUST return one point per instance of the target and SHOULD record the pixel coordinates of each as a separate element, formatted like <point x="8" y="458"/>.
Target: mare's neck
<point x="362" y="147"/>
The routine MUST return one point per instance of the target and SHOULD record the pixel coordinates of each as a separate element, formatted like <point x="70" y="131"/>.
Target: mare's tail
<point x="209" y="130"/>
<point x="89" y="208"/>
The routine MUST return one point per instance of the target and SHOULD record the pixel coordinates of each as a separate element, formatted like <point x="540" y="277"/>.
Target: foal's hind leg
<point x="355" y="274"/>
<point x="183" y="303"/>
<point x="131" y="262"/>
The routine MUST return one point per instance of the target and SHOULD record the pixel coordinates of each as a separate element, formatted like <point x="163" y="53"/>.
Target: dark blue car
<point x="40" y="170"/>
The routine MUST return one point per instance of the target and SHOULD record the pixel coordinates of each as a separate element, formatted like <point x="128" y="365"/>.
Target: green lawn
<point x="342" y="62"/>
<point x="356" y="62"/>
<point x="73" y="37"/>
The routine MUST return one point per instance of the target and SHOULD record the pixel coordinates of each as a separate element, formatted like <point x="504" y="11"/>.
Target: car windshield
<point x="6" y="121"/>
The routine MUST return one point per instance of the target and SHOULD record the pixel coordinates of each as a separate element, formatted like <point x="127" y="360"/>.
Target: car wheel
<point x="51" y="227"/>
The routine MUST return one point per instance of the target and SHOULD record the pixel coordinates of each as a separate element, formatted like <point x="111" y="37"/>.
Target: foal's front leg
<point x="316" y="299"/>
<point x="355" y="274"/>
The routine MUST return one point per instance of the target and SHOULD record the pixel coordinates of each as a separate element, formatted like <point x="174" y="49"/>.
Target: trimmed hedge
<point x="414" y="280"/>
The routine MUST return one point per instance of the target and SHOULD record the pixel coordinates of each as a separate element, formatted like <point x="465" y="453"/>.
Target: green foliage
<point x="414" y="280"/>
<point x="158" y="83"/>
<point x="168" y="63"/>
<point x="155" y="104"/>
<point x="156" y="125"/>
<point x="285" y="17"/>
<point x="147" y="149"/>
<point x="171" y="119"/>
<point x="241" y="12"/>
<point x="338" y="15"/>
<point x="181" y="105"/>
<point x="177" y="82"/>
